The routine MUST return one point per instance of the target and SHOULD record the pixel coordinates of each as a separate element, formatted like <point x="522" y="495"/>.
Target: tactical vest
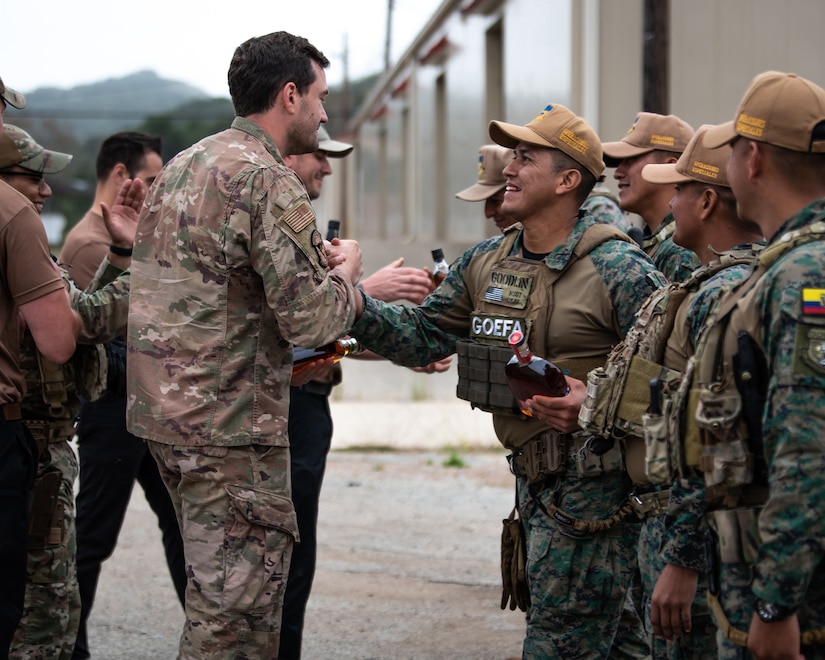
<point x="618" y="399"/>
<point x="510" y="293"/>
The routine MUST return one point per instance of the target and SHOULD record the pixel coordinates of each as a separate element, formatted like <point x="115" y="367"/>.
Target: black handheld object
<point x="333" y="229"/>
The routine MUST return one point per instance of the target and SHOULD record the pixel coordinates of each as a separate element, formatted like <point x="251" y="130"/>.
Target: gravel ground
<point x="408" y="565"/>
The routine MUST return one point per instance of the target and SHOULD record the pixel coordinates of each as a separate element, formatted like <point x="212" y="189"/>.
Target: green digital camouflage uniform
<point x="786" y="310"/>
<point x="228" y="271"/>
<point x="51" y="610"/>
<point x="578" y="581"/>
<point x="603" y="206"/>
<point x="675" y="262"/>
<point x="679" y="537"/>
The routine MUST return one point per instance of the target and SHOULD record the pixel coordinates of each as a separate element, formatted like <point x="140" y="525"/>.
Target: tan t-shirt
<point x="85" y="247"/>
<point x="27" y="273"/>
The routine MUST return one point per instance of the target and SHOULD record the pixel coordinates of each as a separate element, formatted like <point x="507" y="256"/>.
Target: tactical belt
<point x="740" y="637"/>
<point x="541" y="457"/>
<point x="647" y="505"/>
<point x="10" y="412"/>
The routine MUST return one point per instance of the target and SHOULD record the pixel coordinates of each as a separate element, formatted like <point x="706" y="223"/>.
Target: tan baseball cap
<point x="697" y="163"/>
<point x="781" y="109"/>
<point x="12" y="97"/>
<point x="492" y="159"/>
<point x="557" y="128"/>
<point x="330" y="147"/>
<point x="19" y="148"/>
<point x="649" y="132"/>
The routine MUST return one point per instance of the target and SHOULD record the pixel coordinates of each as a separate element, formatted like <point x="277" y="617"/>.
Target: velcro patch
<point x="496" y="328"/>
<point x="508" y="288"/>
<point x="813" y="302"/>
<point x="300" y="217"/>
<point x="809" y="350"/>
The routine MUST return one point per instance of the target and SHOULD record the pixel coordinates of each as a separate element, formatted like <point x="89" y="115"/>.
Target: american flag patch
<point x="300" y="217"/>
<point x="494" y="293"/>
<point x="813" y="301"/>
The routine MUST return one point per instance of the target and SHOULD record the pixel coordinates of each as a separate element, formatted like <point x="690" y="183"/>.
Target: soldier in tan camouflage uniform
<point x="51" y="609"/>
<point x="229" y="271"/>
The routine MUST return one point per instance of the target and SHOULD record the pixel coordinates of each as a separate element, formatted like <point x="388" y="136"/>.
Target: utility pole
<point x="656" y="66"/>
<point x="388" y="38"/>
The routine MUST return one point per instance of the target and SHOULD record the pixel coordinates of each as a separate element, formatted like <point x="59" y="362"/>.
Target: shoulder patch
<point x="809" y="350"/>
<point x="813" y="302"/>
<point x="300" y="217"/>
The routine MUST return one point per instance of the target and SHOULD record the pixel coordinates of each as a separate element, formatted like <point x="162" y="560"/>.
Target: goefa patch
<point x="508" y="288"/>
<point x="496" y="328"/>
<point x="318" y="243"/>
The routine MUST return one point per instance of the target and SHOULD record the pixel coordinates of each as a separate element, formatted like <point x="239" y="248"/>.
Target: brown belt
<point x="10" y="412"/>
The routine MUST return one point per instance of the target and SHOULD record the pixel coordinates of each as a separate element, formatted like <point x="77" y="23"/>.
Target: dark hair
<point x="129" y="148"/>
<point x="261" y="66"/>
<point x="561" y="161"/>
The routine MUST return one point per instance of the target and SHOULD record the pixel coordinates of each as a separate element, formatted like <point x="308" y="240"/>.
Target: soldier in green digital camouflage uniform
<point x="658" y="346"/>
<point x="573" y="286"/>
<point x="759" y="382"/>
<point x="51" y="610"/>
<point x="229" y="271"/>
<point x="652" y="138"/>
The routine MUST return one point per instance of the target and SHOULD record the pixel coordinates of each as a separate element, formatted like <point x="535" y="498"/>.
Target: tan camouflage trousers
<point x="238" y="526"/>
<point x="51" y="611"/>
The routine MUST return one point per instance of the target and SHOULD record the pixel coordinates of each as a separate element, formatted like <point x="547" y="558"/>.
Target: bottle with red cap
<point x="529" y="375"/>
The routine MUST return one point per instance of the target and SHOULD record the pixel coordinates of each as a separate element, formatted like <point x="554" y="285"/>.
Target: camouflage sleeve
<point x="630" y="277"/>
<point x="792" y="523"/>
<point x="106" y="273"/>
<point x="683" y="539"/>
<point x="104" y="312"/>
<point x="416" y="336"/>
<point x="675" y="262"/>
<point x="313" y="306"/>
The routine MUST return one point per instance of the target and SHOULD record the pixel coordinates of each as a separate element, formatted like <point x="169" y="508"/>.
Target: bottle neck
<point x="523" y="353"/>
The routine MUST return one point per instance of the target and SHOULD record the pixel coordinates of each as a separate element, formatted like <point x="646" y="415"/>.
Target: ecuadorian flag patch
<point x="813" y="302"/>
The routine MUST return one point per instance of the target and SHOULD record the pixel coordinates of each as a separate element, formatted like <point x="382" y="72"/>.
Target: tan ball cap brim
<point x="663" y="173"/>
<point x="719" y="135"/>
<point x="479" y="192"/>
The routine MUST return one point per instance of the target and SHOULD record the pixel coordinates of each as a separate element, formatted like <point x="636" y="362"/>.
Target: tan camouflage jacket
<point x="229" y="270"/>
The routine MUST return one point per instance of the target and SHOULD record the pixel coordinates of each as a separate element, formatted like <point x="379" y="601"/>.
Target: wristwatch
<point x="772" y="612"/>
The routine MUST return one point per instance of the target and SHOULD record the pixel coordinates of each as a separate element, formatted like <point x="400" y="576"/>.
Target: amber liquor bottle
<point x="303" y="357"/>
<point x="440" y="266"/>
<point x="529" y="375"/>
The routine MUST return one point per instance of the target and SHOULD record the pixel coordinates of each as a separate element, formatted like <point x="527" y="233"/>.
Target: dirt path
<point x="408" y="566"/>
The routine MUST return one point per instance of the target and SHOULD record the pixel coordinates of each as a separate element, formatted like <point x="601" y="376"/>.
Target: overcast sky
<point x="62" y="43"/>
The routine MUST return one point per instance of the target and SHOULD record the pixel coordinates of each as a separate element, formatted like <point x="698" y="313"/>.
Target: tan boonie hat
<point x="649" y="132"/>
<point x="12" y="97"/>
<point x="330" y="147"/>
<point x="697" y="163"/>
<point x="558" y="128"/>
<point x="492" y="159"/>
<point x="781" y="109"/>
<point x="19" y="148"/>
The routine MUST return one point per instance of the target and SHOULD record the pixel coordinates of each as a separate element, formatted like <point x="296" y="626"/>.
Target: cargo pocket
<point x="260" y="530"/>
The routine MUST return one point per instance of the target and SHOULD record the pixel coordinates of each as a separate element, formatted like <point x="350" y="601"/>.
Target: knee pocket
<point x="260" y="531"/>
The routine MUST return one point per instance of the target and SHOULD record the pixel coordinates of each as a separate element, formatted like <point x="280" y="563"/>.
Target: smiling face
<point x="530" y="182"/>
<point x="311" y="169"/>
<point x="29" y="183"/>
